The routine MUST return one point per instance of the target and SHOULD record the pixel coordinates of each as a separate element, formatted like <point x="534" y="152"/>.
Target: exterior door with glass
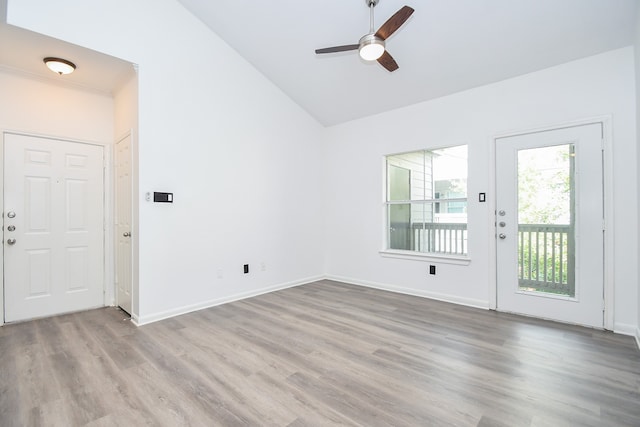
<point x="549" y="225"/>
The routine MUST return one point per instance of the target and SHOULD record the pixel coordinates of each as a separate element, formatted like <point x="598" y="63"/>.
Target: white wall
<point x="239" y="156"/>
<point x="637" y="69"/>
<point x="126" y="106"/>
<point x="582" y="89"/>
<point x="39" y="106"/>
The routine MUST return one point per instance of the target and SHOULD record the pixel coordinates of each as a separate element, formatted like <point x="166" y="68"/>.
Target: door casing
<point x="107" y="214"/>
<point x="607" y="171"/>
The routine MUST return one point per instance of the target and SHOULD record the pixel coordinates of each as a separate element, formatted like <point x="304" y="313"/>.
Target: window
<point x="426" y="202"/>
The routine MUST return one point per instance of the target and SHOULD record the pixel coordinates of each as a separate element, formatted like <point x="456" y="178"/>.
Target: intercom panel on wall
<point x="162" y="197"/>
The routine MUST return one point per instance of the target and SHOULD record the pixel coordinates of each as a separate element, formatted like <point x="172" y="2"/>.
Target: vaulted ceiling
<point x="445" y="47"/>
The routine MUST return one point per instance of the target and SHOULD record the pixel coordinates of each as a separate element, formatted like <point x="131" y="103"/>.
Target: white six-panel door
<point x="53" y="226"/>
<point x="123" y="224"/>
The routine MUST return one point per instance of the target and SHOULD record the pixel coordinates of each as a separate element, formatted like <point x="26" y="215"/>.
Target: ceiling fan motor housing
<point x="372" y="43"/>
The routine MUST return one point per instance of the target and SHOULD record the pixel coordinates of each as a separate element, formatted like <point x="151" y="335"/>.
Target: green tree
<point x="544" y="185"/>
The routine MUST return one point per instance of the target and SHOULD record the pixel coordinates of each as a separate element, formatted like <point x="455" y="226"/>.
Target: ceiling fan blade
<point x="388" y="62"/>
<point x="394" y="22"/>
<point x="338" y="48"/>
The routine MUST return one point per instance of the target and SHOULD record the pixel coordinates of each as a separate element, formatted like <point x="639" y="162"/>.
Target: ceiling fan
<point x="372" y="45"/>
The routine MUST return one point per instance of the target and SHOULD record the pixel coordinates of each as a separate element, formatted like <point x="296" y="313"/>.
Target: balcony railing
<point x="546" y="255"/>
<point x="440" y="237"/>
<point x="546" y="258"/>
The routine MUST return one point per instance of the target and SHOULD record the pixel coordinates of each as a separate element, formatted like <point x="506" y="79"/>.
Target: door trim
<point x="108" y="273"/>
<point x="607" y="171"/>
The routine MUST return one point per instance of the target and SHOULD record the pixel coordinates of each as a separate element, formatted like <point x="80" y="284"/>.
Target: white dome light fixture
<point x="59" y="66"/>
<point x="371" y="47"/>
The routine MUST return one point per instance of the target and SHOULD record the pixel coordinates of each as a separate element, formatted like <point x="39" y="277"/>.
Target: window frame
<point x="385" y="251"/>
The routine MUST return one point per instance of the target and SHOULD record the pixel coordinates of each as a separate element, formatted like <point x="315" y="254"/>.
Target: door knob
<point x="502" y="213"/>
<point x="11" y="241"/>
<point x="11" y="228"/>
<point x="502" y="236"/>
<point x="11" y="214"/>
<point x="126" y="234"/>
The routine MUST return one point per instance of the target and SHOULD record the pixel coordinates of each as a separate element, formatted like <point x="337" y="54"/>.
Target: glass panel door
<point x="546" y="214"/>
<point x="549" y="225"/>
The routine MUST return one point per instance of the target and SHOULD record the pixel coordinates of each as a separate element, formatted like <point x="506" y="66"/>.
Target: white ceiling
<point x="446" y="46"/>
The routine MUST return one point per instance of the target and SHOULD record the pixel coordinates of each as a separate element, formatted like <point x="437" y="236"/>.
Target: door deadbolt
<point x="502" y="236"/>
<point x="11" y="241"/>
<point x="502" y="213"/>
<point x="11" y="214"/>
<point x="502" y="224"/>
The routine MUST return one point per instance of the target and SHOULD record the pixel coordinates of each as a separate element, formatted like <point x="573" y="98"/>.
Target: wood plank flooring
<point x="322" y="354"/>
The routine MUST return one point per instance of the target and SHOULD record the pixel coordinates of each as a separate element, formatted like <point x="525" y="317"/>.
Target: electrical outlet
<point x="246" y="268"/>
<point x="432" y="269"/>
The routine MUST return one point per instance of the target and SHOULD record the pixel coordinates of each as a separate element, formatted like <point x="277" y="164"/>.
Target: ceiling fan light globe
<point x="371" y="47"/>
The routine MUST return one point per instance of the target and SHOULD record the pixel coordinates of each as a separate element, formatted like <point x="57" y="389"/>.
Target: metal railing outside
<point x="441" y="238"/>
<point x="546" y="258"/>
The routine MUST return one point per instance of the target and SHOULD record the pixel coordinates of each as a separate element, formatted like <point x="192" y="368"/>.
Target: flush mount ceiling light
<point x="59" y="65"/>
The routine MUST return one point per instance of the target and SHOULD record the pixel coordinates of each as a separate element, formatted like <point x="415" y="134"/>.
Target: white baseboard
<point x="476" y="303"/>
<point x="638" y="336"/>
<point x="624" y="329"/>
<point x="145" y="320"/>
<point x="135" y="320"/>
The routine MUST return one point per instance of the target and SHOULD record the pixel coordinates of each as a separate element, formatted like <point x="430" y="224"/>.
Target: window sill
<point x="418" y="256"/>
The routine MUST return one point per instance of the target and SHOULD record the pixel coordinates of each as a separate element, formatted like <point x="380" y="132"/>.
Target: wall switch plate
<point x="246" y="268"/>
<point x="482" y="197"/>
<point x="432" y="269"/>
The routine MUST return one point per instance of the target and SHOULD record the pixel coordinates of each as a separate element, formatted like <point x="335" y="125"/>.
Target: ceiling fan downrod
<point x="371" y="4"/>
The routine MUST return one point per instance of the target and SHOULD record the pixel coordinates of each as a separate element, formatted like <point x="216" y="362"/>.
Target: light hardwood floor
<point x="317" y="355"/>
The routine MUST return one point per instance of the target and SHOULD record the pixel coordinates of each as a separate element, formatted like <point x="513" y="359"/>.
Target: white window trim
<point x="425" y="257"/>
